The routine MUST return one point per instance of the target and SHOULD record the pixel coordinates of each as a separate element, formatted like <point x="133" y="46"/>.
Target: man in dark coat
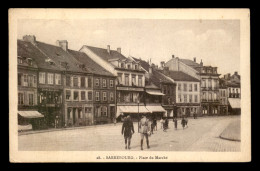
<point x="127" y="131"/>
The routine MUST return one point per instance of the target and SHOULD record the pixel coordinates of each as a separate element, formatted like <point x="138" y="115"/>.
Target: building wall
<point x="25" y="89"/>
<point x="82" y="107"/>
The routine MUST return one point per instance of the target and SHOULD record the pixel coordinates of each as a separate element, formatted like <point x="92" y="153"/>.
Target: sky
<point x="215" y="42"/>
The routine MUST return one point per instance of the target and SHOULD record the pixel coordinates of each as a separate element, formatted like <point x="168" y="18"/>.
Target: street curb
<point x="62" y="129"/>
<point x="229" y="139"/>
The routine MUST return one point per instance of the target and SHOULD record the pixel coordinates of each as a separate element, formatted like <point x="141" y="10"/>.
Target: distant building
<point x="232" y="85"/>
<point x="209" y="82"/>
<point x="223" y="97"/>
<point x="130" y="81"/>
<point x="27" y="88"/>
<point x="158" y="91"/>
<point x="187" y="93"/>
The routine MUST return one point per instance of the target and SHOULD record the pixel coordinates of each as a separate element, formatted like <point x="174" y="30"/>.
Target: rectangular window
<point x="111" y="96"/>
<point x="20" y="60"/>
<point x="104" y="96"/>
<point x="179" y="98"/>
<point x="89" y="82"/>
<point x="20" y="99"/>
<point x="68" y="81"/>
<point x="111" y="83"/>
<point x="179" y="86"/>
<point x="210" y="85"/>
<point x="190" y="98"/>
<point x="82" y="81"/>
<point x="30" y="80"/>
<point x="68" y="94"/>
<point x="57" y="79"/>
<point x="76" y="95"/>
<point x="184" y="87"/>
<point x="210" y="96"/>
<point x="185" y="98"/>
<point x="127" y="80"/>
<point x="97" y="82"/>
<point x="204" y="96"/>
<point x="104" y="111"/>
<point x="83" y="95"/>
<point x="50" y="78"/>
<point x="120" y="78"/>
<point x="90" y="95"/>
<point x="104" y="83"/>
<point x="190" y="87"/>
<point x="203" y="83"/>
<point x="75" y="81"/>
<point x="34" y="81"/>
<point x="196" y="98"/>
<point x="195" y="87"/>
<point x="140" y="80"/>
<point x="129" y="66"/>
<point x="19" y="79"/>
<point x="136" y="67"/>
<point x="30" y="99"/>
<point x="134" y="80"/>
<point x="25" y="80"/>
<point x="97" y="96"/>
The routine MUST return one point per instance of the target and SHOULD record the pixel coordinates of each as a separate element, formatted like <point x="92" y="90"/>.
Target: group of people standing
<point x="146" y="127"/>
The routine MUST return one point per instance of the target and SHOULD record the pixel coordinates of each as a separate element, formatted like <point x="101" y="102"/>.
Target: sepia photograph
<point x="135" y="88"/>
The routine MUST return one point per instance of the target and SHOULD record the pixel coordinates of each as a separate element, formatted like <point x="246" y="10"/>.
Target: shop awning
<point x="234" y="103"/>
<point x="154" y="92"/>
<point x="131" y="109"/>
<point x="155" y="108"/>
<point x="30" y="114"/>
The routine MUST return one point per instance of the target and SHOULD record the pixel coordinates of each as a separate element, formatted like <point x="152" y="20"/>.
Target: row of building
<point x="60" y="87"/>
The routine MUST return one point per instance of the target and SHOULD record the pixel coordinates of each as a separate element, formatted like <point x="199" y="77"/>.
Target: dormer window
<point x="29" y="60"/>
<point x="122" y="65"/>
<point x="136" y="66"/>
<point x="129" y="66"/>
<point x="20" y="60"/>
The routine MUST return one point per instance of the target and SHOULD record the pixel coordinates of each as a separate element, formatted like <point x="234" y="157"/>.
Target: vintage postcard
<point x="129" y="85"/>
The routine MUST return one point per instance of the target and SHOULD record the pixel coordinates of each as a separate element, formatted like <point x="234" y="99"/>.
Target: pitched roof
<point x="26" y="49"/>
<point x="105" y="55"/>
<point x="91" y="65"/>
<point x="59" y="56"/>
<point x="181" y="76"/>
<point x="190" y="63"/>
<point x="144" y="64"/>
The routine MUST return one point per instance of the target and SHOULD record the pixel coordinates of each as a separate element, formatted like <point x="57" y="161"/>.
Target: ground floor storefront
<point x="210" y="109"/>
<point x="104" y="113"/>
<point x="188" y="110"/>
<point x="30" y="120"/>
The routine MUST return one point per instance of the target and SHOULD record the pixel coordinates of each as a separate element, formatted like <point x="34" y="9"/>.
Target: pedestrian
<point x="145" y="129"/>
<point x="155" y="123"/>
<point x="162" y="123"/>
<point x="127" y="131"/>
<point x="183" y="122"/>
<point x="175" y="123"/>
<point x="186" y="121"/>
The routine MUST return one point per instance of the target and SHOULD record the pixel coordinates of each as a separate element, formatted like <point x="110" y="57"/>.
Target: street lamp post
<point x="138" y="114"/>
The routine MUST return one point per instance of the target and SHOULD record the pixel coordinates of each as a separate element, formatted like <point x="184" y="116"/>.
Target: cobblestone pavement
<point x="202" y="134"/>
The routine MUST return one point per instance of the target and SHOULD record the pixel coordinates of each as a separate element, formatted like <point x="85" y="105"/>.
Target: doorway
<point x="74" y="116"/>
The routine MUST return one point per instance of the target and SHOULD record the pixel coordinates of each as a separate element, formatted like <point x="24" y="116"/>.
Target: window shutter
<point x="79" y="81"/>
<point x="86" y="82"/>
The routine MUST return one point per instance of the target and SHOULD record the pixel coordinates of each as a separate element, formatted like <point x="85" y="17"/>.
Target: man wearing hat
<point x="144" y="129"/>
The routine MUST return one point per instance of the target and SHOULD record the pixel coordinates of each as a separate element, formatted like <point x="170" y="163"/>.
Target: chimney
<point x="108" y="49"/>
<point x="201" y="63"/>
<point x="194" y="59"/>
<point x="236" y="73"/>
<point x="162" y="64"/>
<point x="119" y="50"/>
<point x="30" y="38"/>
<point x="172" y="56"/>
<point x="63" y="44"/>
